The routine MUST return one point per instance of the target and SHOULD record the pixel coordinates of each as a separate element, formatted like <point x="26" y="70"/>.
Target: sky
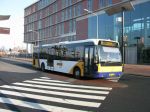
<point x="14" y="8"/>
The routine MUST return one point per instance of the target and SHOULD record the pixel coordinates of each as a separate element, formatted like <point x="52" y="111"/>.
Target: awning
<point x="4" y="30"/>
<point x="4" y="17"/>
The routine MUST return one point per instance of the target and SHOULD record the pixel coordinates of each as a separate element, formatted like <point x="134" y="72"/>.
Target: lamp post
<point x="37" y="33"/>
<point x="122" y="39"/>
<point x="96" y="20"/>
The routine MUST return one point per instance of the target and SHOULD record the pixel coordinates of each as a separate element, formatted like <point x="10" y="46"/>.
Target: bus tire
<point x="43" y="67"/>
<point x="77" y="73"/>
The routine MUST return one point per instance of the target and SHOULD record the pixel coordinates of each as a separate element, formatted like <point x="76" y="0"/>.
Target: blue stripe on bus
<point x="108" y="74"/>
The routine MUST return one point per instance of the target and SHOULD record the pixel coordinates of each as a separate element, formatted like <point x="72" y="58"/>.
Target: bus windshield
<point x="109" y="54"/>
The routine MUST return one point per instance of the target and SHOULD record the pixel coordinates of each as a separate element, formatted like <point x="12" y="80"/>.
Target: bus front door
<point x="88" y="60"/>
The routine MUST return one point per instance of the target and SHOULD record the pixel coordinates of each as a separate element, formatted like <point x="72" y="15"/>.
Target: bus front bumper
<point x="107" y="74"/>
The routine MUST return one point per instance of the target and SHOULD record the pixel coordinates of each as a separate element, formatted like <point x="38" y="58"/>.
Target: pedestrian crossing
<point x="47" y="95"/>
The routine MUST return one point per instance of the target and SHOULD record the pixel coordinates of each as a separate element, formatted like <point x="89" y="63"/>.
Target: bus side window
<point x="79" y="53"/>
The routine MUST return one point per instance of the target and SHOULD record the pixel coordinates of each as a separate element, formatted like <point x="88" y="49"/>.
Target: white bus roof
<point x="95" y="41"/>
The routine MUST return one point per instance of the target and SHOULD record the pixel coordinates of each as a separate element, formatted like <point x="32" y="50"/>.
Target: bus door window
<point x="50" y="56"/>
<point x="86" y="58"/>
<point x="96" y="56"/>
<point x="91" y="56"/>
<point x="91" y="59"/>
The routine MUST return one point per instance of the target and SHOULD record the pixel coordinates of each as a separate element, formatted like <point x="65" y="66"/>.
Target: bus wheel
<point x="77" y="73"/>
<point x="43" y="67"/>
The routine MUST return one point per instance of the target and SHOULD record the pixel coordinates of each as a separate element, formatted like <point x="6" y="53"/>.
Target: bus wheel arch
<point x="42" y="66"/>
<point x="77" y="72"/>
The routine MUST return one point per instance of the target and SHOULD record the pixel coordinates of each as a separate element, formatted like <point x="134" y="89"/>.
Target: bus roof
<point x="94" y="41"/>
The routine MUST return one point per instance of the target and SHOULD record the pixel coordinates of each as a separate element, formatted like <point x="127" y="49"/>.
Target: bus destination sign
<point x="107" y="43"/>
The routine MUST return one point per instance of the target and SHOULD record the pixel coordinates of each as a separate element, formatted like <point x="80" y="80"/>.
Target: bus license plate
<point x="111" y="74"/>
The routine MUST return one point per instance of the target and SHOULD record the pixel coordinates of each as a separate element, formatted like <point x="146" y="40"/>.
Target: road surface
<point x="25" y="89"/>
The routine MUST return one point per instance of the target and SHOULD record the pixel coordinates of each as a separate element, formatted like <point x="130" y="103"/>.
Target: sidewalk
<point x="25" y="59"/>
<point x="137" y="69"/>
<point x="128" y="68"/>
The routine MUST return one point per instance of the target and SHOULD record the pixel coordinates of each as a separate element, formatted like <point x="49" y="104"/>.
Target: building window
<point x="79" y="9"/>
<point x="90" y="5"/>
<point x="67" y="2"/>
<point x="59" y="29"/>
<point x="56" y="18"/>
<point x="70" y="12"/>
<point x="63" y="3"/>
<point x="103" y="3"/>
<point x="74" y="11"/>
<point x="66" y="14"/>
<point x="50" y="31"/>
<point x="39" y="24"/>
<point x="54" y="7"/>
<point x="63" y="15"/>
<point x="50" y="20"/>
<point x="74" y="25"/>
<point x="70" y="26"/>
<point x="40" y="13"/>
<point x="70" y="2"/>
<point x="62" y="28"/>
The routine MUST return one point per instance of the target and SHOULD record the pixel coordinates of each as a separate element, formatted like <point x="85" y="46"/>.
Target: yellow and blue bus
<point x="97" y="58"/>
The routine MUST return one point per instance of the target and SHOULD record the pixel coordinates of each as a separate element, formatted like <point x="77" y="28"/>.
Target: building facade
<point x="4" y="30"/>
<point x="52" y="21"/>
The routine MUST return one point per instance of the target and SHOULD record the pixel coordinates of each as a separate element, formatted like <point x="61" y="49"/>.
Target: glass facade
<point x="136" y="31"/>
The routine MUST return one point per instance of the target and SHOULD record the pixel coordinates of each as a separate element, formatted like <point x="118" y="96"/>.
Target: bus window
<point x="79" y="53"/>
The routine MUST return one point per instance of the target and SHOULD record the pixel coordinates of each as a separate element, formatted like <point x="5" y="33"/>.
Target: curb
<point x="28" y="60"/>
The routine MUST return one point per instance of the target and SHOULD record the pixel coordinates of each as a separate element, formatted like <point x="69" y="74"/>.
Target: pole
<point x="123" y="49"/>
<point x="137" y="50"/>
<point x="97" y="25"/>
<point x="38" y="45"/>
<point x="27" y="51"/>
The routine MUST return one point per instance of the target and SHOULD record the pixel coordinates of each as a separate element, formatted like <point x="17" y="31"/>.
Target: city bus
<point x="96" y="58"/>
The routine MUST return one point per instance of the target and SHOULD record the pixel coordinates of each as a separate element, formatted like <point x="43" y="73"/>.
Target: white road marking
<point x="44" y="85"/>
<point x="37" y="81"/>
<point x="60" y="88"/>
<point x="113" y="79"/>
<point x="45" y="78"/>
<point x="52" y="99"/>
<point x="55" y="93"/>
<point x="5" y="110"/>
<point x="37" y="105"/>
<point x="49" y="80"/>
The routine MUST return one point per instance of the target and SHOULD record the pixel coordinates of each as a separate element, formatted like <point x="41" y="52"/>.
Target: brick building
<point x="51" y="21"/>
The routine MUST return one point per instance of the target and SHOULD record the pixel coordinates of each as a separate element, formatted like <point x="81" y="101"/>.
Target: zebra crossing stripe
<point x="113" y="80"/>
<point x="37" y="81"/>
<point x="45" y="78"/>
<point x="55" y="93"/>
<point x="49" y="80"/>
<point x="5" y="110"/>
<point x="46" y="98"/>
<point x="37" y="105"/>
<point x="60" y="88"/>
<point x="72" y="95"/>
